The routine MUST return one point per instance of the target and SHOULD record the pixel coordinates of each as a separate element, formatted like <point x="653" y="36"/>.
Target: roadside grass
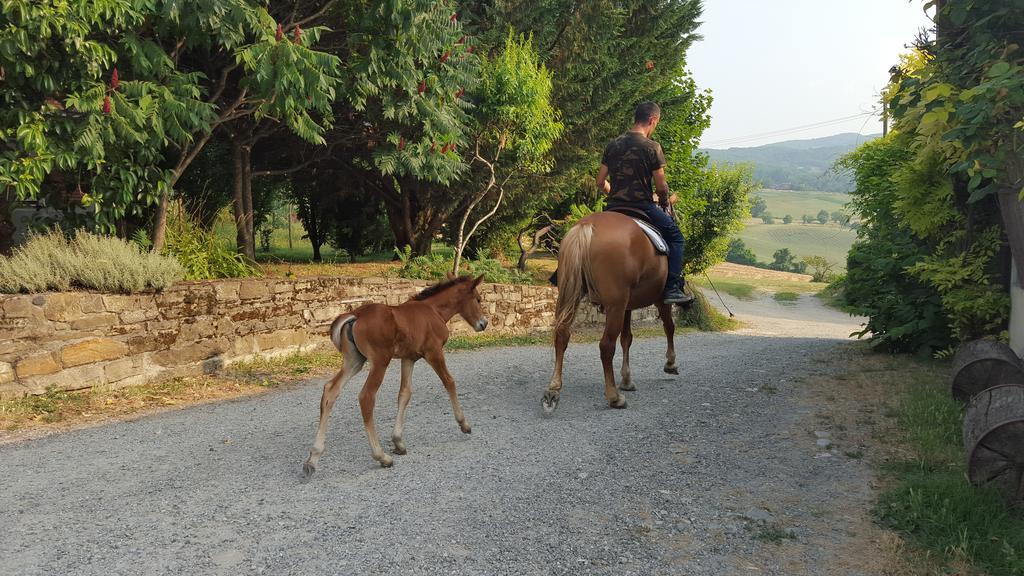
<point x="931" y="501"/>
<point x="740" y="290"/>
<point x="59" y="409"/>
<point x="773" y="533"/>
<point x="786" y="297"/>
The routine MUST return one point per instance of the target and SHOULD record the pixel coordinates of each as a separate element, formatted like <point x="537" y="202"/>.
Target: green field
<point x="830" y="240"/>
<point x="796" y="204"/>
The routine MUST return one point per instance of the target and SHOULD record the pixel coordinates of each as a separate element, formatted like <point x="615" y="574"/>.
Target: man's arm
<point x="602" y="180"/>
<point x="661" y="187"/>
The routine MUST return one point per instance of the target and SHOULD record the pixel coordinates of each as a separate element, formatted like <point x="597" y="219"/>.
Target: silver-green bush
<point x="54" y="262"/>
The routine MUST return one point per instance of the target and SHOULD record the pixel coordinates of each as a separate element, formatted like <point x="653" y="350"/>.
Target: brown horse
<point x="608" y="259"/>
<point x="375" y="332"/>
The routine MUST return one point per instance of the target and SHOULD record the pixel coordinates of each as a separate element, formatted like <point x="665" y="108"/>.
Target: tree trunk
<point x="243" y="238"/>
<point x="7" y="227"/>
<point x="250" y="247"/>
<point x="160" y="227"/>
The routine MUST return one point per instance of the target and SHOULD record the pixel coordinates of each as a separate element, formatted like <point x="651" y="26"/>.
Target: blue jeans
<point x="670" y="230"/>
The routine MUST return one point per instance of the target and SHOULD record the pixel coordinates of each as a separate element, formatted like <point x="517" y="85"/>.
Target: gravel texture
<point x="694" y="477"/>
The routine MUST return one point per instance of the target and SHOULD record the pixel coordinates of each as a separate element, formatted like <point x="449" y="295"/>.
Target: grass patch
<point x="774" y="534"/>
<point x="56" y="409"/>
<point x="933" y="503"/>
<point x="702" y="316"/>
<point x="740" y="290"/>
<point x="786" y="297"/>
<point x="295" y="366"/>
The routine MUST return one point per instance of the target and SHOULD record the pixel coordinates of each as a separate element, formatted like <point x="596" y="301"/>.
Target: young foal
<point x="375" y="332"/>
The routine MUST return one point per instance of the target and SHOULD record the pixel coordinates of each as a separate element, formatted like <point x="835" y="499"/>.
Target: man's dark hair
<point x="645" y="112"/>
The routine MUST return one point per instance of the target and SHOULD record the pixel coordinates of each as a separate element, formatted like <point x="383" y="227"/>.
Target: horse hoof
<point x="671" y="370"/>
<point x="307" y="470"/>
<point x="466" y="429"/>
<point x="550" y="401"/>
<point x="399" y="449"/>
<point x="386" y="461"/>
<point x="618" y="403"/>
<point x="627" y="386"/>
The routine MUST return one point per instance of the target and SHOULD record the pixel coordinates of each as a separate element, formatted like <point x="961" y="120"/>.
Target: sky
<point x="777" y="65"/>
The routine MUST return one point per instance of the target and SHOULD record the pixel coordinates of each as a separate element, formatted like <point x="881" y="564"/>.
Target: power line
<point x="785" y="131"/>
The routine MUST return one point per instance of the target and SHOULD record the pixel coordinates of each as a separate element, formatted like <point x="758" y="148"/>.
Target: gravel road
<point x="715" y="471"/>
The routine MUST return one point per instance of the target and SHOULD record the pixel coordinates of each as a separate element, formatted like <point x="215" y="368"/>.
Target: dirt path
<point x="717" y="471"/>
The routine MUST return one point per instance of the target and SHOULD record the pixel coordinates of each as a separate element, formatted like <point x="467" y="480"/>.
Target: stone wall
<point x="76" y="340"/>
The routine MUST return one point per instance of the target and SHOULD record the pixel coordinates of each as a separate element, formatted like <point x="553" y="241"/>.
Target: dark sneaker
<point x="675" y="295"/>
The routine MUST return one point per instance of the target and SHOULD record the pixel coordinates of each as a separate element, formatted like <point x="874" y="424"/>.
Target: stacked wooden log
<point x="989" y="377"/>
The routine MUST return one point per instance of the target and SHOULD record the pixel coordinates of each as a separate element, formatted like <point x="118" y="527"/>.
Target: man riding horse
<point x="630" y="165"/>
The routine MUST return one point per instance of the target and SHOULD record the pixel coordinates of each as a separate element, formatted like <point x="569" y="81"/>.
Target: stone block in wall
<point x="118" y="370"/>
<point x="21" y="307"/>
<point x="226" y="290"/>
<point x="192" y="353"/>
<point x="75" y="378"/>
<point x="93" y="321"/>
<point x="282" y="339"/>
<point x="6" y="373"/>
<point x="253" y="289"/>
<point x="62" y="307"/>
<point x="36" y="365"/>
<point x="92" y="350"/>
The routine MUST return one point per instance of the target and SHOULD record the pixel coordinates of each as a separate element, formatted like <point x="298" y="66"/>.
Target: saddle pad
<point x="660" y="246"/>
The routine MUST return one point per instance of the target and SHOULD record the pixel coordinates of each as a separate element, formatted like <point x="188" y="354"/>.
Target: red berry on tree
<point x="649" y="65"/>
<point x="422" y="87"/>
<point x="280" y="33"/>
<point x="114" y="80"/>
<point x="433" y="146"/>
<point x="298" y="34"/>
<point x="460" y="92"/>
<point x="469" y="49"/>
<point x="106" y="104"/>
<point x="461" y="41"/>
<point x="445" y="56"/>
<point x="454" y="17"/>
<point x="401" y="143"/>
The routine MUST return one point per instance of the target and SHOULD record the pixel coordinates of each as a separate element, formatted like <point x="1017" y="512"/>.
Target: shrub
<point x="703" y="316"/>
<point x="435" y="266"/>
<point x="200" y="252"/>
<point x="51" y="261"/>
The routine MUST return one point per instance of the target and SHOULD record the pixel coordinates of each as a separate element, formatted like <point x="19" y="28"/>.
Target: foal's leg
<point x="615" y="316"/>
<point x="555" y="386"/>
<point x="367" y="400"/>
<point x="436" y="361"/>
<point x="353" y="364"/>
<point x="404" y="394"/>
<point x="627" y="341"/>
<point x="665" y="311"/>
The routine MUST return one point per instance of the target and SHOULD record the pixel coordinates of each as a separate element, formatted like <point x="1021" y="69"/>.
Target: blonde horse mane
<point x="575" y="276"/>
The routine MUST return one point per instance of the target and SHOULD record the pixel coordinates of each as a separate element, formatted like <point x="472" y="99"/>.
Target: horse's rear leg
<point x="615" y="316"/>
<point x="437" y="362"/>
<point x="367" y="401"/>
<point x="554" y="391"/>
<point x="404" y="394"/>
<point x="665" y="311"/>
<point x="627" y="341"/>
<point x="353" y="364"/>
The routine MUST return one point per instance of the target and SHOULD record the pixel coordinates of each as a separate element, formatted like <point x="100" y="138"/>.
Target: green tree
<point x="739" y="253"/>
<point x="821" y="269"/>
<point x="712" y="213"/>
<point x="823" y="217"/>
<point x="758" y="206"/>
<point x="787" y="219"/>
<point x="807" y="219"/>
<point x="515" y="129"/>
<point x="128" y="94"/>
<point x="767" y="218"/>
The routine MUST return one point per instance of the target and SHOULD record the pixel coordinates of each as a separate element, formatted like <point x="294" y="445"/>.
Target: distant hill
<point x="797" y="164"/>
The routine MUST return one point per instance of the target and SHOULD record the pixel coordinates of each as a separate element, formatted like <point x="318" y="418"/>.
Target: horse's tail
<point x="341" y="335"/>
<point x="575" y="278"/>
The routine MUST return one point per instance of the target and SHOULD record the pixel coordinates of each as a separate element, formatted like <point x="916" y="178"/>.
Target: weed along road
<point x="720" y="470"/>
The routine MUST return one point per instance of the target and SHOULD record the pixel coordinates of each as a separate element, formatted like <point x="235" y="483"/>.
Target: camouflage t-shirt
<point x="631" y="160"/>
